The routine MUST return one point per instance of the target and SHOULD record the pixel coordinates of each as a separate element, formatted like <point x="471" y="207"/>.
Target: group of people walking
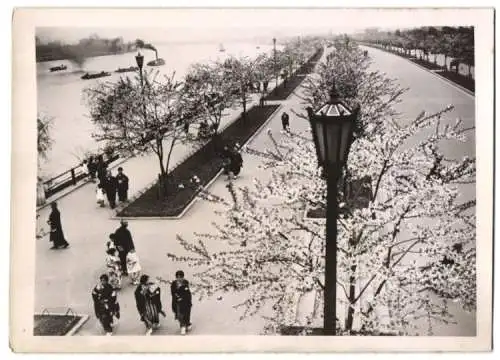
<point x="232" y="161"/>
<point x="108" y="186"/>
<point x="122" y="260"/>
<point x="148" y="303"/>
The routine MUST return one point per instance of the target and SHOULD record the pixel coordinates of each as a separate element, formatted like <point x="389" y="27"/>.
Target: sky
<point x="181" y="24"/>
<point x="179" y="34"/>
<point x="220" y="24"/>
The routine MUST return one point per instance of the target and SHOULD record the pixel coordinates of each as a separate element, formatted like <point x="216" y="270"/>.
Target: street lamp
<point x="332" y="127"/>
<point x="140" y="62"/>
<point x="275" y="63"/>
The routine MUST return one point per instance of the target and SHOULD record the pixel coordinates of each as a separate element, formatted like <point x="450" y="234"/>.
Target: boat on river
<point x="129" y="69"/>
<point x="58" y="68"/>
<point x="88" y="76"/>
<point x="156" y="62"/>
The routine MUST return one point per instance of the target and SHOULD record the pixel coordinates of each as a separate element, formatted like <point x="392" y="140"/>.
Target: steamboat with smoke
<point x="58" y="68"/>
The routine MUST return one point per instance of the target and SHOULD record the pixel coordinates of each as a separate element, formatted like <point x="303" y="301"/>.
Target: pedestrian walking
<point x="92" y="168"/>
<point x="133" y="267"/>
<point x="56" y="231"/>
<point x="122" y="185"/>
<point x="113" y="265"/>
<point x="110" y="185"/>
<point x="101" y="168"/>
<point x="285" y="121"/>
<point x="148" y="303"/>
<point x="110" y="244"/>
<point x="181" y="301"/>
<point x="84" y="168"/>
<point x="235" y="163"/>
<point x="265" y="84"/>
<point x="100" y="194"/>
<point x="124" y="243"/>
<point x="106" y="305"/>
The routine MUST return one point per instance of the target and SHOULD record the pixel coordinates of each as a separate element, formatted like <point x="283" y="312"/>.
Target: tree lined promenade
<point x="154" y="114"/>
<point x="57" y="290"/>
<point x="448" y="50"/>
<point x="156" y="238"/>
<point x="410" y="240"/>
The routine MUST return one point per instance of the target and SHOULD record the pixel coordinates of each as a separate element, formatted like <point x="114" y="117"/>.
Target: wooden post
<point x="73" y="177"/>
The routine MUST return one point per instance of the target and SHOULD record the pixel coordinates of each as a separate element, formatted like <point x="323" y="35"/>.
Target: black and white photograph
<point x="213" y="173"/>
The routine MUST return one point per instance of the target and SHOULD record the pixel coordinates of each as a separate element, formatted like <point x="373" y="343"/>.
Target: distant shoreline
<point x="62" y="57"/>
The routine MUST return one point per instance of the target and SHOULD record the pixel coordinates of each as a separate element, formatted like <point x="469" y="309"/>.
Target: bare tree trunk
<point x="167" y="164"/>
<point x="159" y="153"/>
<point x="244" y="106"/>
<point x="352" y="298"/>
<point x="161" y="177"/>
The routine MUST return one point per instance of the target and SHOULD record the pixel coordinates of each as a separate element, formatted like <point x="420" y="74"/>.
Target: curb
<point x="192" y="202"/>
<point x="83" y="319"/>
<point x="459" y="87"/>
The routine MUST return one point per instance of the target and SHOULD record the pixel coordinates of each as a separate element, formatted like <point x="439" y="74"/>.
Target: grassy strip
<point x="284" y="90"/>
<point x="468" y="83"/>
<point x="54" y="325"/>
<point x="204" y="164"/>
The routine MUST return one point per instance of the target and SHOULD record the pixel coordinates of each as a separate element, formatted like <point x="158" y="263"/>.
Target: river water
<point x="60" y="94"/>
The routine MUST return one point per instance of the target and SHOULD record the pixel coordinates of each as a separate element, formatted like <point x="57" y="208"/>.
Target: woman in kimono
<point x="133" y="267"/>
<point x="105" y="303"/>
<point x="114" y="268"/>
<point x="56" y="232"/>
<point x="148" y="302"/>
<point x="181" y="301"/>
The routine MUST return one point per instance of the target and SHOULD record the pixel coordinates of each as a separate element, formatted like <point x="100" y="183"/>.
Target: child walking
<point x="99" y="194"/>
<point x="133" y="267"/>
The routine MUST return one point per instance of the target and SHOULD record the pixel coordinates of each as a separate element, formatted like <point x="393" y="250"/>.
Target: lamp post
<point x="275" y="63"/>
<point x="140" y="62"/>
<point x="332" y="127"/>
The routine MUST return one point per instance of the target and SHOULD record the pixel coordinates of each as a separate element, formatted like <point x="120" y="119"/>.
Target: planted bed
<point x="205" y="164"/>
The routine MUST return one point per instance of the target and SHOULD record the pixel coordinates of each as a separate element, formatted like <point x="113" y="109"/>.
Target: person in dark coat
<point x="225" y="155"/>
<point x="148" y="303"/>
<point x="236" y="162"/>
<point x="181" y="301"/>
<point x="101" y="168"/>
<point x="56" y="231"/>
<point x="110" y="185"/>
<point x="122" y="183"/>
<point x="285" y="121"/>
<point x="105" y="303"/>
<point x="92" y="168"/>
<point x="265" y="84"/>
<point x="124" y="243"/>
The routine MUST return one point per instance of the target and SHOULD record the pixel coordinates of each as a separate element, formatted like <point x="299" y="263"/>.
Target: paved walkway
<point x="64" y="278"/>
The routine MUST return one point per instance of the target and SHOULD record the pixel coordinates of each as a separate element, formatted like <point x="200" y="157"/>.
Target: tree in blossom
<point x="209" y="93"/>
<point x="241" y="73"/>
<point x="415" y="237"/>
<point x="348" y="69"/>
<point x="412" y="238"/>
<point x="133" y="119"/>
<point x="265" y="72"/>
<point x="44" y="140"/>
